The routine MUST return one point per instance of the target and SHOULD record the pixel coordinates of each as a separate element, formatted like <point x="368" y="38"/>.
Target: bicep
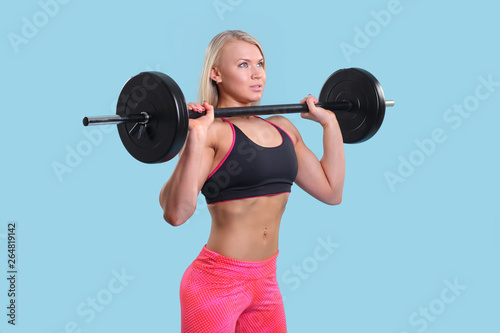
<point x="310" y="176"/>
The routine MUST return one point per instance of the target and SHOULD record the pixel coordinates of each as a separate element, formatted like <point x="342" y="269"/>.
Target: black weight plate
<point x="158" y="95"/>
<point x="365" y="93"/>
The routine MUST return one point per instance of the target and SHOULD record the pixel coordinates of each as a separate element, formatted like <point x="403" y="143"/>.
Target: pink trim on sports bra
<point x="229" y="151"/>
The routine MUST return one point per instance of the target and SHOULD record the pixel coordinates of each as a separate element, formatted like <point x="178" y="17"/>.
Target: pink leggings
<point x="220" y="294"/>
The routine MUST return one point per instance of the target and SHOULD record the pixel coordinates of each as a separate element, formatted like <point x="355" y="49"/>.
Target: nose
<point x="257" y="72"/>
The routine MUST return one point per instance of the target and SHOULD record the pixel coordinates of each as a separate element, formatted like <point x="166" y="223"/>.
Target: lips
<point x="256" y="87"/>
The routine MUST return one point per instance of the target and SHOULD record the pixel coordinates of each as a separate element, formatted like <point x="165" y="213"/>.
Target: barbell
<point x="152" y="115"/>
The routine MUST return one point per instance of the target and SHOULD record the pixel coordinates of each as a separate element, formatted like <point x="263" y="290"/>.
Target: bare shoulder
<point x="218" y="127"/>
<point x="218" y="132"/>
<point x="286" y="125"/>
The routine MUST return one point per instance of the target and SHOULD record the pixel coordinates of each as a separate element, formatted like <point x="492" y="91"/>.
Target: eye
<point x="260" y="64"/>
<point x="243" y="64"/>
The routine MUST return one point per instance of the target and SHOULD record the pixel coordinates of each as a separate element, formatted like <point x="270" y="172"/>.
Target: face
<point x="241" y="74"/>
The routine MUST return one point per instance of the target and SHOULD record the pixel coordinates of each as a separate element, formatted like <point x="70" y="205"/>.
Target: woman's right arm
<point x="179" y="195"/>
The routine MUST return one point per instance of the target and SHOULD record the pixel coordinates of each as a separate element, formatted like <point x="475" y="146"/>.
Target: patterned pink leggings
<point x="220" y="294"/>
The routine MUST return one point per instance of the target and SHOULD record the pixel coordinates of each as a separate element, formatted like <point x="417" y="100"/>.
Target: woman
<point x="245" y="167"/>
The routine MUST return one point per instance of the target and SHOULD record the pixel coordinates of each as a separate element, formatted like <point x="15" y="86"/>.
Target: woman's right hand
<point x="202" y="122"/>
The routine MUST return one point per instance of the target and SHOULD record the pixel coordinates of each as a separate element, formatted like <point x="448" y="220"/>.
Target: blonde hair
<point x="208" y="90"/>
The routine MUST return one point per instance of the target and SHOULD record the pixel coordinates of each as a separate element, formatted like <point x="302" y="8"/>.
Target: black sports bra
<point x="249" y="170"/>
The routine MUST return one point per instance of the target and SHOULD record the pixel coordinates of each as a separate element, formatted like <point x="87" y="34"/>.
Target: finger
<point x="207" y="106"/>
<point x="196" y="107"/>
<point x="311" y="102"/>
<point x="316" y="101"/>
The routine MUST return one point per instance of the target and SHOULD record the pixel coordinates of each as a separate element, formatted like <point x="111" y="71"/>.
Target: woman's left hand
<point x="315" y="113"/>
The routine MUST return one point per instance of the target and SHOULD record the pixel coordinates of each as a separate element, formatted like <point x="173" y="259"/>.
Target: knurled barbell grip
<point x="262" y="110"/>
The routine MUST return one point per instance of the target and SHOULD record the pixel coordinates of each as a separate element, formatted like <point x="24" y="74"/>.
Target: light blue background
<point x="397" y="246"/>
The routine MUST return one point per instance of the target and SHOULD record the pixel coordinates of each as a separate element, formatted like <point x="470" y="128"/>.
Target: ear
<point x="215" y="74"/>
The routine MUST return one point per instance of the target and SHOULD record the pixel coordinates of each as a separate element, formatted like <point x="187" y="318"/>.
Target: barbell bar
<point x="152" y="115"/>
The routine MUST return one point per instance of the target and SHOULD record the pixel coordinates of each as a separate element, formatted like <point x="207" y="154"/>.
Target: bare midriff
<point x="247" y="229"/>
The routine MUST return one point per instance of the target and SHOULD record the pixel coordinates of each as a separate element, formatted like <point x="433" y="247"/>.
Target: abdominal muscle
<point x="247" y="229"/>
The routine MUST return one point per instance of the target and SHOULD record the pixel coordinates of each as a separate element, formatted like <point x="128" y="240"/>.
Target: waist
<point x="247" y="229"/>
<point x="218" y="264"/>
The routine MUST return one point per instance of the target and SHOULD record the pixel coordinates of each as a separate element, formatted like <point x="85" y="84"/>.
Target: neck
<point x="224" y="104"/>
<point x="230" y="103"/>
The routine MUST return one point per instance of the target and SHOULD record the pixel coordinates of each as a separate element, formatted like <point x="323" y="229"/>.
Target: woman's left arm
<point x="323" y="179"/>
